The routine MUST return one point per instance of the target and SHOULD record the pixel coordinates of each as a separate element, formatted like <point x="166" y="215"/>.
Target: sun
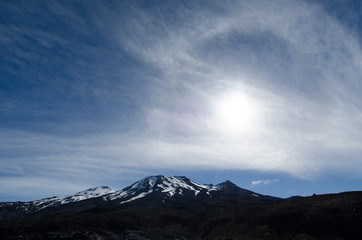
<point x="236" y="113"/>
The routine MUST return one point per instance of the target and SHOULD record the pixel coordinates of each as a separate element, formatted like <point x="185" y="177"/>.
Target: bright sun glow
<point x="236" y="113"/>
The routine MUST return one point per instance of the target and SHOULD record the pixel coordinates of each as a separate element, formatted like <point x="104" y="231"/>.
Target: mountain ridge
<point x="151" y="190"/>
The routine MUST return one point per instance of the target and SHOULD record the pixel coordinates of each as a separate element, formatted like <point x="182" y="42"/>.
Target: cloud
<point x="263" y="182"/>
<point x="141" y="94"/>
<point x="34" y="188"/>
<point x="301" y="64"/>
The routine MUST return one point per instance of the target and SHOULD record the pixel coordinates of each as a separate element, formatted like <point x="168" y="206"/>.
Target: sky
<point x="266" y="94"/>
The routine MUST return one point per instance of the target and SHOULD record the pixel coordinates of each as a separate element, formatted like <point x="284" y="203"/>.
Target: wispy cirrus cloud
<point x="298" y="63"/>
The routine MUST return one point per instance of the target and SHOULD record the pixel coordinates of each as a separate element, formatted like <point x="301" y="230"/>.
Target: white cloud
<point x="37" y="187"/>
<point x="297" y="63"/>
<point x="263" y="182"/>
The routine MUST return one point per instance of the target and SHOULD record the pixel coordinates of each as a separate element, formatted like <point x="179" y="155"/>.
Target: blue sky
<point x="266" y="94"/>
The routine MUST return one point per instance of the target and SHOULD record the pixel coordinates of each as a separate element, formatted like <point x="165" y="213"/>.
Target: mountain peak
<point x="227" y="184"/>
<point x="169" y="186"/>
<point x="182" y="178"/>
<point x="96" y="191"/>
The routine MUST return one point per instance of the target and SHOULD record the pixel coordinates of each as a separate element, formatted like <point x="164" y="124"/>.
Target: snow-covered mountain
<point x="86" y="194"/>
<point x="38" y="205"/>
<point x="169" y="186"/>
<point x="153" y="190"/>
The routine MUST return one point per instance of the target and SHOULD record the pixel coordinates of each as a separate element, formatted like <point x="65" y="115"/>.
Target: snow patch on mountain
<point x="171" y="185"/>
<point x="87" y="194"/>
<point x="55" y="201"/>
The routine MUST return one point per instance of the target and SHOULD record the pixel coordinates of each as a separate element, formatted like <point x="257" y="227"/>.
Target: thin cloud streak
<point x="263" y="182"/>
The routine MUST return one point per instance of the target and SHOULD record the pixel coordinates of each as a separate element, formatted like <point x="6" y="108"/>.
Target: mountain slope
<point x="16" y="209"/>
